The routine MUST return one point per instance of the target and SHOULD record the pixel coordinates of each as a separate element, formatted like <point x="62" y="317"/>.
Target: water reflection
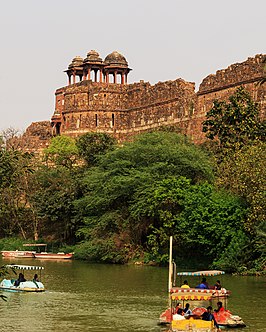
<point x="90" y="297"/>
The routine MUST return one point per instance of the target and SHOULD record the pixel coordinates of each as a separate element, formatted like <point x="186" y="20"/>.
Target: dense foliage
<point x="92" y="145"/>
<point x="120" y="179"/>
<point x="234" y="123"/>
<point x="15" y="170"/>
<point x="240" y="152"/>
<point x="116" y="204"/>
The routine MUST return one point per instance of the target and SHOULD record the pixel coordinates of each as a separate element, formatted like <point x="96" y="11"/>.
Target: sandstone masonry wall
<point x="223" y="84"/>
<point x="126" y="110"/>
<point x="36" y="138"/>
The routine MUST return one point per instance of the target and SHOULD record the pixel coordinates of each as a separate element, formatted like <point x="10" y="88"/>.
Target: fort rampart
<point x="124" y="110"/>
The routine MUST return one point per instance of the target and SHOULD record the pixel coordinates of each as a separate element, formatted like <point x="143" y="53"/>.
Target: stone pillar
<point x="122" y="78"/>
<point x="101" y="75"/>
<point x="89" y="73"/>
<point x="84" y="75"/>
<point x="115" y="76"/>
<point x="107" y="77"/>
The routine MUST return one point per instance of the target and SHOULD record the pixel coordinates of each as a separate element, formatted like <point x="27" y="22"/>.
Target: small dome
<point x="93" y="56"/>
<point x="76" y="62"/>
<point x="116" y="59"/>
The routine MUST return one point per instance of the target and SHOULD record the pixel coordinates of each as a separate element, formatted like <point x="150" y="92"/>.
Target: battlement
<point x="236" y="74"/>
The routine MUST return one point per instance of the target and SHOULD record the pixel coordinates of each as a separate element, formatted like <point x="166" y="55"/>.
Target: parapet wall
<point x="223" y="84"/>
<point x="249" y="71"/>
<point x="124" y="110"/>
<point x="144" y="94"/>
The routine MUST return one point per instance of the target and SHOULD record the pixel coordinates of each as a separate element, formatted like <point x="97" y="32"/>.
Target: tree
<point x="244" y="174"/>
<point x="62" y="151"/>
<point x="202" y="221"/>
<point x="9" y="138"/>
<point x="92" y="145"/>
<point x="51" y="198"/>
<point x="15" y="170"/>
<point x="124" y="173"/>
<point x="234" y="123"/>
<point x="240" y="133"/>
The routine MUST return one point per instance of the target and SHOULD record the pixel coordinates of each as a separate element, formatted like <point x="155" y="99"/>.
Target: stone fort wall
<point x="126" y="110"/>
<point x="223" y="84"/>
<point x="123" y="110"/>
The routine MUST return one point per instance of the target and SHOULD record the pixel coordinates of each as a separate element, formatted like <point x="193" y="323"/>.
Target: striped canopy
<point x="25" y="267"/>
<point x="201" y="273"/>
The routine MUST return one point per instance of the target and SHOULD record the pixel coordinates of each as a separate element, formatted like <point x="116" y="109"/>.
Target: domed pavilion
<point x="114" y="66"/>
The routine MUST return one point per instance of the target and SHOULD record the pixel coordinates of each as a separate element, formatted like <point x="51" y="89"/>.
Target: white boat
<point x="17" y="254"/>
<point x="45" y="254"/>
<point x="22" y="286"/>
<point x="51" y="255"/>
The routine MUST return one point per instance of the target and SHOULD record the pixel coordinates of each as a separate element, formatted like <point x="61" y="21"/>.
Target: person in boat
<point x="218" y="285"/>
<point x="35" y="278"/>
<point x="187" y="311"/>
<point x="203" y="284"/>
<point x="177" y="308"/>
<point x="220" y="307"/>
<point x="179" y="315"/>
<point x="185" y="284"/>
<point x="20" y="279"/>
<point x="208" y="316"/>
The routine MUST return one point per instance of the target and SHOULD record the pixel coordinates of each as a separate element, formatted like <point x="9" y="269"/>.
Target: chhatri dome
<point x="93" y="57"/>
<point x="114" y="68"/>
<point x="116" y="59"/>
<point x="76" y="62"/>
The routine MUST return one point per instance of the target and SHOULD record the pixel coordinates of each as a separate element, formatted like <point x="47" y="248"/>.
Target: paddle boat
<point x="14" y="285"/>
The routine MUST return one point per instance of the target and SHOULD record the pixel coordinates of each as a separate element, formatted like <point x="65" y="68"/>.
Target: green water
<point x="91" y="297"/>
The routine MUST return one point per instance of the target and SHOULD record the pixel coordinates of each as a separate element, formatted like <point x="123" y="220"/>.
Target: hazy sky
<point x="161" y="40"/>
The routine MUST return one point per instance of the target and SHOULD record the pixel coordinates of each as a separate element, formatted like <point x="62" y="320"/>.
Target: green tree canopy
<point x="236" y="122"/>
<point x="240" y="132"/>
<point x="62" y="151"/>
<point x="53" y="191"/>
<point x="15" y="170"/>
<point x="92" y="145"/>
<point x="110" y="187"/>
<point x="202" y="221"/>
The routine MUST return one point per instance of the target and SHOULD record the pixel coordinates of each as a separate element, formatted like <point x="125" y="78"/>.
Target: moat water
<point x="113" y="298"/>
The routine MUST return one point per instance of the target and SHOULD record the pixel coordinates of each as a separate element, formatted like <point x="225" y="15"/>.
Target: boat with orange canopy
<point x="199" y="299"/>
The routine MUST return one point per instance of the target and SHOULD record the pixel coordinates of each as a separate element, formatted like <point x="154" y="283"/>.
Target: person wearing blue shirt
<point x="203" y="284"/>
